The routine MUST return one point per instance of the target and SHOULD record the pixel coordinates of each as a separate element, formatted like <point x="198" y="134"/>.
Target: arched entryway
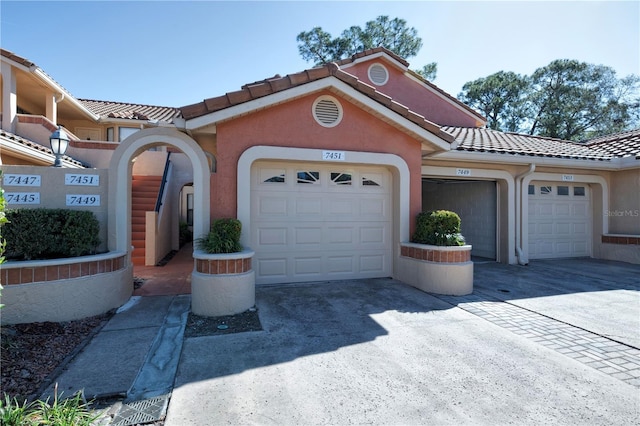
<point x="120" y="168"/>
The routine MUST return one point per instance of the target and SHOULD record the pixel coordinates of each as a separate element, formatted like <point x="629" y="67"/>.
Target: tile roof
<point x="492" y="141"/>
<point x="130" y="111"/>
<point x="15" y="58"/>
<point x="28" y="64"/>
<point x="277" y="83"/>
<point x="4" y="135"/>
<point x="621" y="145"/>
<point x="404" y="62"/>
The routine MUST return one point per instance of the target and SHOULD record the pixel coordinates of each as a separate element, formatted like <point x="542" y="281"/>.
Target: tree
<point x="574" y="100"/>
<point x="318" y="46"/>
<point x="500" y="97"/>
<point x="566" y="99"/>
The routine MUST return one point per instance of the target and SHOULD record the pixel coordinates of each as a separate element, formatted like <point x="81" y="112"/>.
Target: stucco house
<point x="327" y="169"/>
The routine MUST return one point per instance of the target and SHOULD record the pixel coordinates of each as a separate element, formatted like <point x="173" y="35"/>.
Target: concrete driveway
<point x="551" y="343"/>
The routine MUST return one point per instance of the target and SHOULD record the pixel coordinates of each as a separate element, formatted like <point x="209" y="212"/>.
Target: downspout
<point x="522" y="260"/>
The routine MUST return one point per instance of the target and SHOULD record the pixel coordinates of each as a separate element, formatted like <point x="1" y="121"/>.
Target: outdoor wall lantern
<point x="59" y="140"/>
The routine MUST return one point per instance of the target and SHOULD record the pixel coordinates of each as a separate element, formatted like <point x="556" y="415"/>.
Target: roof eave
<point x="329" y="83"/>
<point x="496" y="158"/>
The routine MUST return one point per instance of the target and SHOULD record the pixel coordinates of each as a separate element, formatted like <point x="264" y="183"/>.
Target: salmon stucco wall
<point x="415" y="96"/>
<point x="292" y="125"/>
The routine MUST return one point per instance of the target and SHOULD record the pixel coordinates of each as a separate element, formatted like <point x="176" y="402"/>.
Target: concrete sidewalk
<point x="133" y="358"/>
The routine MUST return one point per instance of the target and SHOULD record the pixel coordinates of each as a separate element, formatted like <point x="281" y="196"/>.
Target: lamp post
<point x="59" y="141"/>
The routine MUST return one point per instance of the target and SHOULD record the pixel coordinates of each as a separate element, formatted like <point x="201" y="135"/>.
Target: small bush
<point x="224" y="237"/>
<point x="50" y="233"/>
<point x="438" y="228"/>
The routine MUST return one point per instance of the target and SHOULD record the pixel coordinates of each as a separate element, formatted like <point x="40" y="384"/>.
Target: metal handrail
<point x="163" y="183"/>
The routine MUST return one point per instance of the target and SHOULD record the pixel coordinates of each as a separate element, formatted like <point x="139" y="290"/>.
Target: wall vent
<point x="378" y="74"/>
<point x="327" y="111"/>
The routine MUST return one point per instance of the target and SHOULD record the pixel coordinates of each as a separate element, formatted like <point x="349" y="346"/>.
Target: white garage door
<point x="559" y="220"/>
<point x="312" y="222"/>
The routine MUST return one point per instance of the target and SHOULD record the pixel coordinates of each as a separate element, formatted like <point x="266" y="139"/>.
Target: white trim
<point x="487" y="174"/>
<point x="386" y="71"/>
<point x="120" y="169"/>
<point x="446" y="99"/>
<point x="315" y="86"/>
<point x="557" y="177"/>
<point x="375" y="56"/>
<point x="400" y="221"/>
<point x="483" y="157"/>
<point x="333" y="100"/>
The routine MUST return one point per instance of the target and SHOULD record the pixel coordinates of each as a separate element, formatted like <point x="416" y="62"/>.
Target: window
<point x="125" y="132"/>
<point x="544" y="190"/>
<point x="372" y="179"/>
<point x="341" y="178"/>
<point x="308" y="177"/>
<point x="275" y="179"/>
<point x="190" y="209"/>
<point x="272" y="175"/>
<point x="578" y="191"/>
<point x="563" y="190"/>
<point x="110" y="134"/>
<point x="532" y="189"/>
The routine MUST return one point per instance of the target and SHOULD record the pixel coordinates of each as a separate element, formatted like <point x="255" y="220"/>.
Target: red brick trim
<point x="436" y="255"/>
<point x="620" y="239"/>
<point x="33" y="274"/>
<point x="95" y="145"/>
<point x="223" y="266"/>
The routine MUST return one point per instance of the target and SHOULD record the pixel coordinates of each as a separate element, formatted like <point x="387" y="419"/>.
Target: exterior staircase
<point x="144" y="193"/>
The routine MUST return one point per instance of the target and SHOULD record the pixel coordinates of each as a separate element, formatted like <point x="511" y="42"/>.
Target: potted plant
<point x="437" y="260"/>
<point x="223" y="282"/>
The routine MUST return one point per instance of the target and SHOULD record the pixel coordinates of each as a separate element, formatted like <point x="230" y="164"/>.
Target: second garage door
<point x="312" y="222"/>
<point x="559" y="220"/>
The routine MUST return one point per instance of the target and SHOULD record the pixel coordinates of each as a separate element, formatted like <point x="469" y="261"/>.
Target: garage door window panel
<point x="308" y="177"/>
<point x="341" y="178"/>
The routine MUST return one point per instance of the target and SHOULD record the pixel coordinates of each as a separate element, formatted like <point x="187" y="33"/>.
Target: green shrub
<point x="438" y="228"/>
<point x="50" y="233"/>
<point x="224" y="237"/>
<point x="61" y="412"/>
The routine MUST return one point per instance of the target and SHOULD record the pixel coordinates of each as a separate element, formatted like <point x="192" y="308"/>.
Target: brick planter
<point x="222" y="284"/>
<point x="436" y="269"/>
<point x="64" y="289"/>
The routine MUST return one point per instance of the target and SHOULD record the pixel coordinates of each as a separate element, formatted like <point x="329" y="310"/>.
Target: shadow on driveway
<point x="381" y="352"/>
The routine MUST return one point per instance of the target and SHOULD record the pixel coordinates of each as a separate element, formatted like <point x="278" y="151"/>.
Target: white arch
<point x="119" y="225"/>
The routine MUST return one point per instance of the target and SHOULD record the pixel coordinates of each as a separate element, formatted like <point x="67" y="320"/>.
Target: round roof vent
<point x="378" y="74"/>
<point x="327" y="111"/>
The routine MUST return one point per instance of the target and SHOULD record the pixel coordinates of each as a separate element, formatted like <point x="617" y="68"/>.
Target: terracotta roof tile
<point x="130" y="111"/>
<point x="4" y="135"/>
<point x="239" y="97"/>
<point x="370" y="52"/>
<point x="220" y="102"/>
<point x="487" y="140"/>
<point x="404" y="62"/>
<point x="276" y="84"/>
<point x="16" y="58"/>
<point x="623" y="145"/>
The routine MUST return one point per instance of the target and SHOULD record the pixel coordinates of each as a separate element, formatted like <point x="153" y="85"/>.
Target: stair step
<point x="144" y="193"/>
